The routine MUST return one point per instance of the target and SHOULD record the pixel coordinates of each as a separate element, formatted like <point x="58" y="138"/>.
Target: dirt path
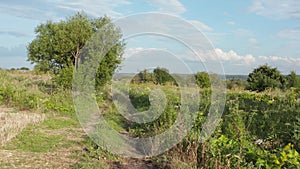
<point x="124" y="163"/>
<point x="63" y="157"/>
<point x="131" y="163"/>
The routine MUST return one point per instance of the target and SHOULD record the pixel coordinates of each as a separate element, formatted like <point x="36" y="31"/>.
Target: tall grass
<point x="27" y="91"/>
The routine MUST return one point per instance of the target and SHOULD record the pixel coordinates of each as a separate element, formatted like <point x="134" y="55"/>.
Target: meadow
<point x="40" y="129"/>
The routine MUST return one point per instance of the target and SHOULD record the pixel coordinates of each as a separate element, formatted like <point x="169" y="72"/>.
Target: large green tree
<point x="265" y="77"/>
<point x="57" y="47"/>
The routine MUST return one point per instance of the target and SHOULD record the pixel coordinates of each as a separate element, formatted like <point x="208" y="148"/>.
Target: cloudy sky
<point x="244" y="34"/>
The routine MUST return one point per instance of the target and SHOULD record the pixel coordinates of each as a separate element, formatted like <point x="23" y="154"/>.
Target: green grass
<point x="56" y="123"/>
<point x="43" y="137"/>
<point x="33" y="140"/>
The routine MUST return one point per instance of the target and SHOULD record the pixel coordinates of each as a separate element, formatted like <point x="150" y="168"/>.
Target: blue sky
<point x="244" y="34"/>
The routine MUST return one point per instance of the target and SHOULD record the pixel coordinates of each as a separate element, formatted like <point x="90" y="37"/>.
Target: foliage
<point x="286" y="157"/>
<point x="58" y="46"/>
<point x="257" y="130"/>
<point x="158" y="76"/>
<point x="265" y="77"/>
<point x="248" y="118"/>
<point x="162" y="76"/>
<point x="236" y="84"/>
<point x="293" y="80"/>
<point x="202" y="79"/>
<point x="143" y="77"/>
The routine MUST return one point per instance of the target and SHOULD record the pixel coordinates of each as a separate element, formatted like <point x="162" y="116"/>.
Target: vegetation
<point x="202" y="79"/>
<point x="260" y="126"/>
<point x="58" y="46"/>
<point x="265" y="77"/>
<point x="158" y="76"/>
<point x="293" y="80"/>
<point x="258" y="130"/>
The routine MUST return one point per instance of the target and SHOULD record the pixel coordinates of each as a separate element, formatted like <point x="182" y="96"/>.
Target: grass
<point x="58" y="123"/>
<point x="36" y="141"/>
<point x="53" y="137"/>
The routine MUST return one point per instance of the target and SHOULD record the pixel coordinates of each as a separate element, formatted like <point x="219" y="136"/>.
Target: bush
<point x="265" y="77"/>
<point x="202" y="79"/>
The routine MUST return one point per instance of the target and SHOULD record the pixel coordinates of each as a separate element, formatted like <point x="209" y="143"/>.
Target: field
<point x="40" y="129"/>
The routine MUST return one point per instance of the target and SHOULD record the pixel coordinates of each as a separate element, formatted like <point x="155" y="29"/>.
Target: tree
<point x="202" y="79"/>
<point x="57" y="47"/>
<point x="143" y="77"/>
<point x="265" y="77"/>
<point x="162" y="76"/>
<point x="293" y="80"/>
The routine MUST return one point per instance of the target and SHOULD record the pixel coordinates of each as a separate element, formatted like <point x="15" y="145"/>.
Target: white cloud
<point x="281" y="59"/>
<point x="129" y="52"/>
<point x="200" y="25"/>
<point x="233" y="62"/>
<point x="277" y="9"/>
<point x="284" y="64"/>
<point x="137" y="59"/>
<point x="168" y="6"/>
<point x="233" y="57"/>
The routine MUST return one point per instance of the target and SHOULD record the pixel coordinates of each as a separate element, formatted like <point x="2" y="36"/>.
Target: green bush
<point x="265" y="77"/>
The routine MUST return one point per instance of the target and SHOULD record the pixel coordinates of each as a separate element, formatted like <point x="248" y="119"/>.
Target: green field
<point x="257" y="130"/>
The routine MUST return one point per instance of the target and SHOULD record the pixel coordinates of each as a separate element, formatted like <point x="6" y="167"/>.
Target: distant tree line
<point x="159" y="76"/>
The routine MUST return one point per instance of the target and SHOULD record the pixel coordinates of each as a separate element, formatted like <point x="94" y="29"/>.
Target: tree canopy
<point x="158" y="76"/>
<point x="265" y="77"/>
<point x="57" y="46"/>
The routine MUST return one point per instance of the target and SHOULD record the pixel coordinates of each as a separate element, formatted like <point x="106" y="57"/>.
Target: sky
<point x="242" y="34"/>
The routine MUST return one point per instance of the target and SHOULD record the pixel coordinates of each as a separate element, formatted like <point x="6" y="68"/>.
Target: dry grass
<point x="11" y="124"/>
<point x="60" y="159"/>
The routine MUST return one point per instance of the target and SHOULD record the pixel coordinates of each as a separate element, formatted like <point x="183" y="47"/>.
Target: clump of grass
<point x="12" y="124"/>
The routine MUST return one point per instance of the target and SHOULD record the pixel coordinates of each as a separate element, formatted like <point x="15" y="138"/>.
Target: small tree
<point x="265" y="77"/>
<point x="293" y="80"/>
<point x="143" y="77"/>
<point x="162" y="76"/>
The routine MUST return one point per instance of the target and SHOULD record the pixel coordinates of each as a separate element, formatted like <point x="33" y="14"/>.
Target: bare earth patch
<point x="11" y="124"/>
<point x="132" y="163"/>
